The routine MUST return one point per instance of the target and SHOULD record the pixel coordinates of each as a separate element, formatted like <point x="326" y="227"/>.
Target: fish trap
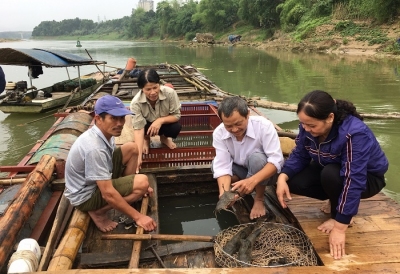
<point x="277" y="245"/>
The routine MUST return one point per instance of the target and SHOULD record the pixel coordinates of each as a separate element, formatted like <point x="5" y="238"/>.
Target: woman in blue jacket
<point x="337" y="157"/>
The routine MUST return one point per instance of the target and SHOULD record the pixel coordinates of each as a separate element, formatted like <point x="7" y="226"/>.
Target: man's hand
<point x="146" y="222"/>
<point x="139" y="164"/>
<point x="243" y="187"/>
<point x="149" y="192"/>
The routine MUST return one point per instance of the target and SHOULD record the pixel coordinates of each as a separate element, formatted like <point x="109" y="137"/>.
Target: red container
<point x="194" y="141"/>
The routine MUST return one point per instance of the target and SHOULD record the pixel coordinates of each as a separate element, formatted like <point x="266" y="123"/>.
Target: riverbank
<point x="359" y="38"/>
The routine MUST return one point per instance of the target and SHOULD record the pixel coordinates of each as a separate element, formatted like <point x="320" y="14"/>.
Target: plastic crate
<point x="198" y="109"/>
<point x="164" y="157"/>
<point x="194" y="142"/>
<point x="198" y="117"/>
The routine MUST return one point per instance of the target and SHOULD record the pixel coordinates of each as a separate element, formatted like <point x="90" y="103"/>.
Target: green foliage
<point x="176" y="18"/>
<point x="378" y="10"/>
<point x="361" y="32"/>
<point x="307" y="27"/>
<point x="216" y="15"/>
<point x="393" y="48"/>
<point x="259" y="13"/>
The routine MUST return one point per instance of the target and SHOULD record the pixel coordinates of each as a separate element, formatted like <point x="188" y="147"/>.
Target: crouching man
<point x="248" y="153"/>
<point x="99" y="176"/>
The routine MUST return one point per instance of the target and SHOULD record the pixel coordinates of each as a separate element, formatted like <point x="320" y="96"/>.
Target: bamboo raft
<point x="376" y="225"/>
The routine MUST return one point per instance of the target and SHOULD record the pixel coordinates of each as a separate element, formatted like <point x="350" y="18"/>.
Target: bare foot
<point x="167" y="141"/>
<point x="326" y="207"/>
<point x="328" y="225"/>
<point x="102" y="222"/>
<point x="146" y="145"/>
<point x="258" y="209"/>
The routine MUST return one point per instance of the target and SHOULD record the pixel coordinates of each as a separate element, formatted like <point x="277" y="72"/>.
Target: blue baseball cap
<point x="111" y="105"/>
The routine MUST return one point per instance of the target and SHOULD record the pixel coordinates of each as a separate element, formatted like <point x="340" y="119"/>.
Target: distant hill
<point x="15" y="34"/>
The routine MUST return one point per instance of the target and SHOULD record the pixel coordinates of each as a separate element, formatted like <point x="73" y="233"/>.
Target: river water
<point x="372" y="85"/>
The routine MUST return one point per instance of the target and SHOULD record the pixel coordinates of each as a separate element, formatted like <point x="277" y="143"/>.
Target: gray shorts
<point x="124" y="185"/>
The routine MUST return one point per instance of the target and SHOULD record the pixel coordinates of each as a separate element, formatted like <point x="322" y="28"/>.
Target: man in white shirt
<point x="248" y="152"/>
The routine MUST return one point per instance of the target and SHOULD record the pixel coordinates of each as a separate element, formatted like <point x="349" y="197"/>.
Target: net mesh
<point x="277" y="245"/>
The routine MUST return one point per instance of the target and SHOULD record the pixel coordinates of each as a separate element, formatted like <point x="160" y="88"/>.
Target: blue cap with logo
<point x="111" y="105"/>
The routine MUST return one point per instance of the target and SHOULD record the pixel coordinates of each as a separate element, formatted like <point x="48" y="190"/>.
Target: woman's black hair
<point x="229" y="104"/>
<point x="147" y="76"/>
<point x="319" y="104"/>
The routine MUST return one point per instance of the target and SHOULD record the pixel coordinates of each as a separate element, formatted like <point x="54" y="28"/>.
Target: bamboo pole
<point x="12" y="181"/>
<point x="293" y="108"/>
<point x="48" y="251"/>
<point x="22" y="206"/>
<point x="134" y="261"/>
<point x="162" y="237"/>
<point x="67" y="250"/>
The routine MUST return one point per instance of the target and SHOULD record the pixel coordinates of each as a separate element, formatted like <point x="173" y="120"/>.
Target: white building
<point x="146" y="5"/>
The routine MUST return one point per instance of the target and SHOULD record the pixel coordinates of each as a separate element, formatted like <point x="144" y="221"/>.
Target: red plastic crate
<point x="165" y="157"/>
<point x="194" y="141"/>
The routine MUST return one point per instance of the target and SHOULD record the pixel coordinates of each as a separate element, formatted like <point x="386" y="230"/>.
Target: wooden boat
<point x="185" y="172"/>
<point x="19" y="98"/>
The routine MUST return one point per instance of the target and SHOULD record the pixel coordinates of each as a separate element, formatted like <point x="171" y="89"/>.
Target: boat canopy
<point x="43" y="57"/>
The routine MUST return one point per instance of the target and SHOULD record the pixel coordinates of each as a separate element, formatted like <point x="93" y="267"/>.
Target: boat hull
<point x="48" y="104"/>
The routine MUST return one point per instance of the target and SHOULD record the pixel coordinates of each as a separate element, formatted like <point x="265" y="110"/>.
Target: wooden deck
<point x="372" y="243"/>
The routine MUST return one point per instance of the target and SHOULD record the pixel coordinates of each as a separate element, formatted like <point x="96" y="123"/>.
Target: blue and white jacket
<point x="351" y="144"/>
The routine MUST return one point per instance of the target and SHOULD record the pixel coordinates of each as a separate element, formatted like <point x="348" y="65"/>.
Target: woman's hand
<point x="282" y="189"/>
<point x="155" y="127"/>
<point x="337" y="240"/>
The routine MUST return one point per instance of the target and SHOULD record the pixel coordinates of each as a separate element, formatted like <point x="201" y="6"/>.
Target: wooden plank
<point x="339" y="267"/>
<point x="98" y="260"/>
<point x="161" y="237"/>
<point x="40" y="231"/>
<point x="134" y="262"/>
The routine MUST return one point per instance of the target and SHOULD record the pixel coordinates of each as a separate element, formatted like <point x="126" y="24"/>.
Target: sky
<point x="24" y="15"/>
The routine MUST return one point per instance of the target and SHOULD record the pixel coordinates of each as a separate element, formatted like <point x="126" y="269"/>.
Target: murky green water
<point x="372" y="85"/>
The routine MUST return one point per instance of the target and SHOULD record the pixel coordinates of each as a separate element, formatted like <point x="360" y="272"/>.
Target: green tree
<point x="259" y="13"/>
<point x="216" y="15"/>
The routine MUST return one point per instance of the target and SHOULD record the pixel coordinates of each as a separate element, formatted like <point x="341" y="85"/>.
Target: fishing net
<point x="277" y="245"/>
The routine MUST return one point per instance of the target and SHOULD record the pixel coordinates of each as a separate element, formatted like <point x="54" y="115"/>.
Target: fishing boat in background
<point x="71" y="240"/>
<point x="21" y="97"/>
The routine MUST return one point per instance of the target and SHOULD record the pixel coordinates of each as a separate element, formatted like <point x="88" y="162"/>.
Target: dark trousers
<point x="168" y="130"/>
<point x="326" y="183"/>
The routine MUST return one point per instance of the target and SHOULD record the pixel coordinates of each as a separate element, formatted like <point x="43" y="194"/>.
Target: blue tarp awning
<point x="42" y="57"/>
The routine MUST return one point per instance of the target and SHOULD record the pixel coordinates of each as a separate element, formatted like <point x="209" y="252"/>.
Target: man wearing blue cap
<point x="99" y="176"/>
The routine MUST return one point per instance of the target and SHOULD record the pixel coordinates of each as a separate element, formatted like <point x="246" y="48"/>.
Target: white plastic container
<point x="27" y="263"/>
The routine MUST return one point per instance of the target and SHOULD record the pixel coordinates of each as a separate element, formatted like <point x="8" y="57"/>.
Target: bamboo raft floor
<point x="371" y="243"/>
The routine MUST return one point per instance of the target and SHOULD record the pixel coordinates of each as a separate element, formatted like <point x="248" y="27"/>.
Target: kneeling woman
<point x="157" y="111"/>
<point x="336" y="157"/>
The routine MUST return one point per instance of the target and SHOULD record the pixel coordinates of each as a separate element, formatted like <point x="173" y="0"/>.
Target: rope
<point x="26" y="255"/>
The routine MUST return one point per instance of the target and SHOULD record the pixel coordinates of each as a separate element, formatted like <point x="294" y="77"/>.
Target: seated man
<point x="94" y="168"/>
<point x="248" y="152"/>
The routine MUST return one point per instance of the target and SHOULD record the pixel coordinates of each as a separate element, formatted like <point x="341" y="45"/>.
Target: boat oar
<point x="162" y="237"/>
